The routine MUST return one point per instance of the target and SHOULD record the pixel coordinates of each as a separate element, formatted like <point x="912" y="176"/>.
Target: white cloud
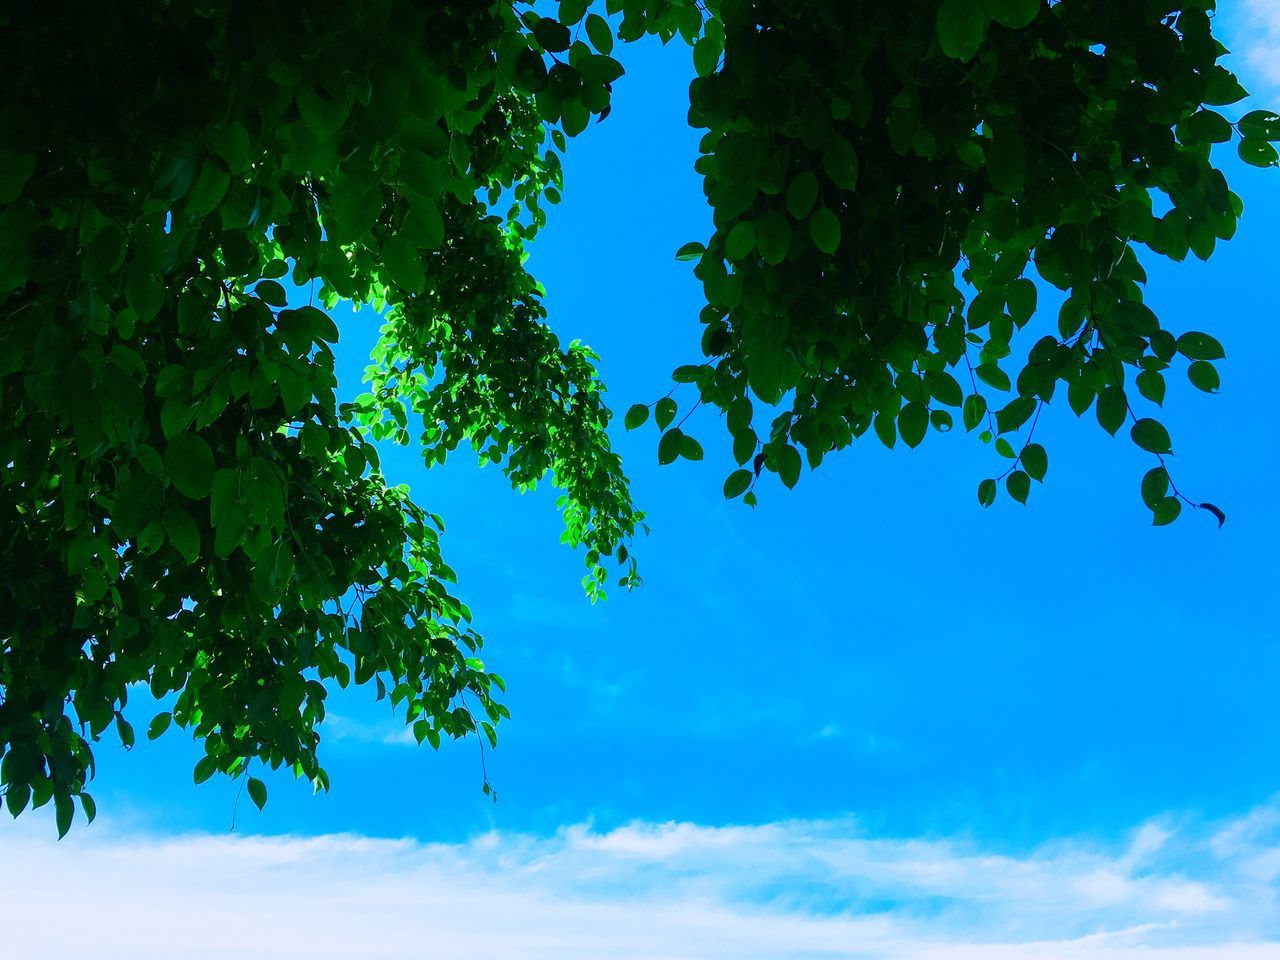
<point x="1256" y="36"/>
<point x="643" y="892"/>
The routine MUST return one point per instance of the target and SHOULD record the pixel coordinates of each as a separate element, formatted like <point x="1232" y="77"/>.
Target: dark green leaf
<point x="962" y="24"/>
<point x="1204" y="376"/>
<point x="637" y="414"/>
<point x="802" y="194"/>
<point x="1166" y="511"/>
<point x="1112" y="409"/>
<point x="1200" y="346"/>
<point x="975" y="408"/>
<point x="824" y="229"/>
<point x="1222" y="517"/>
<point x="1155" y="486"/>
<point x="1151" y="436"/>
<point x="1151" y="385"/>
<point x="670" y="446"/>
<point x="737" y="484"/>
<point x="189" y="465"/>
<point x="840" y="162"/>
<point x="1019" y="486"/>
<point x="913" y="422"/>
<point x="205" y="769"/>
<point x="786" y="461"/>
<point x="664" y="411"/>
<point x="1035" y="461"/>
<point x="269" y="291"/>
<point x="257" y="792"/>
<point x="159" y="724"/>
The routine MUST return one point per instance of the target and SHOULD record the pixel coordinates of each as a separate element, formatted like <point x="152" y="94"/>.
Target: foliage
<point x="877" y="221"/>
<point x="186" y="505"/>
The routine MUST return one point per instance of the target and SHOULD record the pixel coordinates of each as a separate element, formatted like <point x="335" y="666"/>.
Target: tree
<point x="185" y="504"/>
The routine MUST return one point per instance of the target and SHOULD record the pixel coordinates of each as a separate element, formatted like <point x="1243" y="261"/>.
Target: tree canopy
<point x="186" y="504"/>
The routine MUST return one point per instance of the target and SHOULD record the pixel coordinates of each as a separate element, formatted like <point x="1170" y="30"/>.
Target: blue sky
<point x="866" y="716"/>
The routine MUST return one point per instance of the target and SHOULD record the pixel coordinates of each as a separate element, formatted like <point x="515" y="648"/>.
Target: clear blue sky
<point x="872" y="644"/>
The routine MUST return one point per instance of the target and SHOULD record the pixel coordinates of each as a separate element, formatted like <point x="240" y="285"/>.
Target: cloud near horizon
<point x="674" y="891"/>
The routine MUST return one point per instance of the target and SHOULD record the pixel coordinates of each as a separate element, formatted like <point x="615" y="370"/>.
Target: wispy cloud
<point x="1255" y="34"/>
<point x="661" y="891"/>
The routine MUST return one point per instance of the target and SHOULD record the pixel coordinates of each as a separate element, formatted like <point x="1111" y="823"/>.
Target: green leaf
<point x="1151" y="385"/>
<point x="552" y="35"/>
<point x="257" y="792"/>
<point x="1155" y="486"/>
<point x="1012" y="13"/>
<point x="1200" y="346"/>
<point x="1015" y="413"/>
<point x="706" y="56"/>
<point x="1019" y="486"/>
<point x="690" y="448"/>
<point x="182" y="532"/>
<point x="885" y="426"/>
<point x="1080" y="396"/>
<point x="402" y="264"/>
<point x="741" y="241"/>
<point x="269" y="291"/>
<point x="913" y="423"/>
<point x="15" y="170"/>
<point x="136" y="504"/>
<point x="1166" y="511"/>
<point x="786" y="460"/>
<point x="1021" y="298"/>
<point x="1151" y="436"/>
<point x="1209" y="126"/>
<point x="691" y="251"/>
<point x="16" y="797"/>
<point x="824" y="228"/>
<point x="993" y="376"/>
<point x="975" y="408"/>
<point x="670" y="445"/>
<point x="63" y="813"/>
<point x="1260" y="125"/>
<point x="1006" y="162"/>
<point x="1112" y="408"/>
<point x="773" y="237"/>
<point x="205" y="769"/>
<point x="224" y="503"/>
<point x="104" y="253"/>
<point x="189" y="465"/>
<point x="599" y="33"/>
<point x="1204" y="376"/>
<point x="1035" y="461"/>
<point x="664" y="411"/>
<point x="530" y="71"/>
<point x="231" y="143"/>
<point x="840" y="162"/>
<point x="987" y="492"/>
<point x="637" y="414"/>
<point x="1258" y="153"/>
<point x="737" y="484"/>
<point x="962" y="24"/>
<point x="802" y="194"/>
<point x="159" y="724"/>
<point x="209" y="189"/>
